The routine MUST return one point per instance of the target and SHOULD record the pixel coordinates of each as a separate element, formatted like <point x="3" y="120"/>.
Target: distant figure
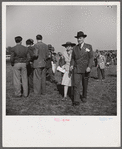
<point x="101" y="61"/>
<point x="66" y="80"/>
<point x="114" y="58"/>
<point x="95" y="58"/>
<point x="54" y="62"/>
<point x="19" y="59"/>
<point x="39" y="75"/>
<point x="108" y="59"/>
<point x="95" y="61"/>
<point x="81" y="63"/>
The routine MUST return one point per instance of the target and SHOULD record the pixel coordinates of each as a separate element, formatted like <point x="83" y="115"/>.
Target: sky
<point x="59" y="24"/>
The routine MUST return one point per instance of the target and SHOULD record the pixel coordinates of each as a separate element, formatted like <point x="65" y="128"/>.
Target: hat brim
<point x="66" y="45"/>
<point x="81" y="36"/>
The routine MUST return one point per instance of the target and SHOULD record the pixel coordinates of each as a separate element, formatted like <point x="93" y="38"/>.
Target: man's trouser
<point x="30" y="76"/>
<point x="20" y="74"/>
<point x="39" y="80"/>
<point x="80" y="78"/>
<point x="101" y="73"/>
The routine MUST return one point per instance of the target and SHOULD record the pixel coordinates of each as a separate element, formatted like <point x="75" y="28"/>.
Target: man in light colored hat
<point x="81" y="63"/>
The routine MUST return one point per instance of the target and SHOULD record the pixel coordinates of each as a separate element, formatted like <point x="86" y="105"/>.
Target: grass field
<point x="102" y="98"/>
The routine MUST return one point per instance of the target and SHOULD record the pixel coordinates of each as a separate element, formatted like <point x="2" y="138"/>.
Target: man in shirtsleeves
<point x="81" y="63"/>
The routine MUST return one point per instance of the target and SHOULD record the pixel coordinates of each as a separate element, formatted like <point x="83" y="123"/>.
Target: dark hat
<point x="18" y="39"/>
<point x="49" y="46"/>
<point x="80" y="34"/>
<point x="59" y="53"/>
<point x="29" y="42"/>
<point x="68" y="44"/>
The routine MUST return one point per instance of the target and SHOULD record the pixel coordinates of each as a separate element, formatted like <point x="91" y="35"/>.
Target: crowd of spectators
<point x="110" y="55"/>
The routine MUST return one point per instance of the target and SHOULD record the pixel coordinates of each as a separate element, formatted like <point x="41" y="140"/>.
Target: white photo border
<point x="44" y="131"/>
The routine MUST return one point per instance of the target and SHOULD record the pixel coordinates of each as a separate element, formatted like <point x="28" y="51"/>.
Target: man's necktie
<point x="80" y="46"/>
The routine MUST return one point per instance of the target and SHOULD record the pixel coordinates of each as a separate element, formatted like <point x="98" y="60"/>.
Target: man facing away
<point x="33" y="55"/>
<point x="19" y="59"/>
<point x="81" y="63"/>
<point x="39" y="74"/>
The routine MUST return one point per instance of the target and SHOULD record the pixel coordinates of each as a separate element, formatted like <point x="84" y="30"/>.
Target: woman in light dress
<point x="66" y="80"/>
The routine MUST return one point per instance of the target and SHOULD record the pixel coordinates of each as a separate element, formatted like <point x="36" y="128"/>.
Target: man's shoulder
<point x="24" y="47"/>
<point x="41" y="44"/>
<point x="88" y="45"/>
<point x="75" y="47"/>
<point x="21" y="46"/>
<point x="45" y="45"/>
<point x="12" y="48"/>
<point x="31" y="48"/>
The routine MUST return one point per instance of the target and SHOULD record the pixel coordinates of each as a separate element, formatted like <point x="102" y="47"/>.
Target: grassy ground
<point x="102" y="98"/>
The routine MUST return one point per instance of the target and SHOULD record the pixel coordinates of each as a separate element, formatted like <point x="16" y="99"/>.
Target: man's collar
<point x="39" y="41"/>
<point x="81" y="45"/>
<point x="28" y="46"/>
<point x="18" y="43"/>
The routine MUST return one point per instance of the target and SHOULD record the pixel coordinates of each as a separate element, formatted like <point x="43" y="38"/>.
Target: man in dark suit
<point x="32" y="51"/>
<point x="81" y="63"/>
<point x="19" y="60"/>
<point x="39" y="65"/>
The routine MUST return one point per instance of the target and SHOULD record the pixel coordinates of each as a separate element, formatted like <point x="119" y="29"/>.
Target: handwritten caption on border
<point x="59" y="120"/>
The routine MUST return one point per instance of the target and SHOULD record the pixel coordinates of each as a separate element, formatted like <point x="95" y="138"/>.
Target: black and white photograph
<point x="60" y="70"/>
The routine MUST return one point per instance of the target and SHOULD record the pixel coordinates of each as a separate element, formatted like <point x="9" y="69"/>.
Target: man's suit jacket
<point x="42" y="55"/>
<point x="82" y="58"/>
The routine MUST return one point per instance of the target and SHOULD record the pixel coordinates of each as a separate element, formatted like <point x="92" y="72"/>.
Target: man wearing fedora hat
<point x="81" y="63"/>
